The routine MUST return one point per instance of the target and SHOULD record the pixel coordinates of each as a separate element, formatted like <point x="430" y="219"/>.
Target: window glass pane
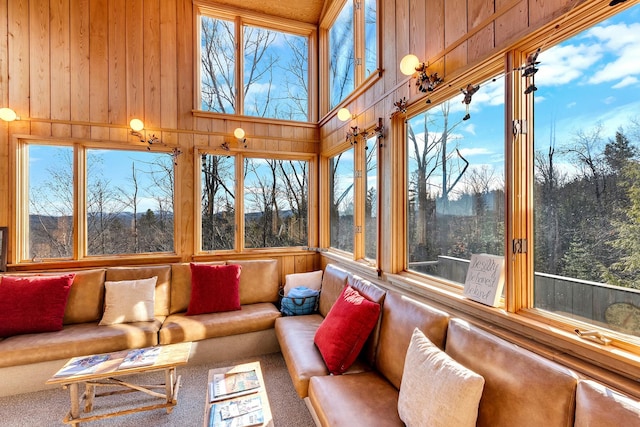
<point x="218" y="203"/>
<point x="275" y="202"/>
<point x="129" y="202"/>
<point x="371" y="200"/>
<point x="341" y="56"/>
<point x="370" y="37"/>
<point x="50" y="202"/>
<point x="217" y="73"/>
<point x="341" y="201"/>
<point x="587" y="176"/>
<point x="456" y="183"/>
<point x="275" y="74"/>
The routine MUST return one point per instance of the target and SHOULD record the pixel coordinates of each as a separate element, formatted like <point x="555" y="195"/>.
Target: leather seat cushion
<point x="77" y="340"/>
<point x="599" y="406"/>
<point x="250" y="318"/>
<point x="365" y="399"/>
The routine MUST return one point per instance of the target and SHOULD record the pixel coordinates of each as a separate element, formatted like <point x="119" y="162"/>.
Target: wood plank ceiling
<point x="308" y="11"/>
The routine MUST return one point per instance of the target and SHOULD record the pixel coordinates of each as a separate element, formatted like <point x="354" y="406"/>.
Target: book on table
<point x="82" y="365"/>
<point x="140" y="357"/>
<point x="225" y="386"/>
<point x="241" y="412"/>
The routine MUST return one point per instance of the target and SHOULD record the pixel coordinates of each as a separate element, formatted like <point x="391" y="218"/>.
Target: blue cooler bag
<point x="300" y="300"/>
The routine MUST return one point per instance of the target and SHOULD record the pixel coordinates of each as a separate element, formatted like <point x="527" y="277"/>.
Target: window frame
<point x="240" y="19"/>
<point x="239" y="239"/>
<point x="80" y="255"/>
<point x="359" y="196"/>
<point x="361" y="81"/>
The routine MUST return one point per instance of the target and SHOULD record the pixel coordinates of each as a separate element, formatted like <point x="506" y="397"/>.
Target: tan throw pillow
<point x="311" y="280"/>
<point x="129" y="301"/>
<point x="437" y="391"/>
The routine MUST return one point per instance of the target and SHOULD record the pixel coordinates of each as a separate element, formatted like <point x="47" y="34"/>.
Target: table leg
<point x="75" y="404"/>
<point x="89" y="395"/>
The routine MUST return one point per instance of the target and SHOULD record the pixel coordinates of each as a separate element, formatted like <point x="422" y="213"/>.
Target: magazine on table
<point x="82" y="365"/>
<point x="140" y="357"/>
<point x="237" y="413"/>
<point x="225" y="386"/>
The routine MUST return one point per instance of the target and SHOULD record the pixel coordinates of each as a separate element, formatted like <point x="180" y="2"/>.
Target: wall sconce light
<point x="344" y="115"/>
<point x="8" y="115"/>
<point x="239" y="134"/>
<point x="137" y="125"/>
<point x="410" y="65"/>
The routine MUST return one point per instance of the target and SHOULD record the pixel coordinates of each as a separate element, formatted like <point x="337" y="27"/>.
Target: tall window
<point x="274" y="195"/>
<point x="218" y="204"/>
<point x="274" y="81"/>
<point x="128" y="203"/>
<point x="352" y="48"/>
<point x="341" y="181"/>
<point x="456" y="183"/>
<point x="371" y="199"/>
<point x="353" y="199"/>
<point x="51" y="202"/>
<point x="587" y="175"/>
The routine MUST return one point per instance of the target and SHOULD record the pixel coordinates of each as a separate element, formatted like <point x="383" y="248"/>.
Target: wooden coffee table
<point x="107" y="374"/>
<point x="261" y="391"/>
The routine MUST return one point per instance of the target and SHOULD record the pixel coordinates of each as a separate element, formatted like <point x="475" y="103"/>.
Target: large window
<point x="274" y="80"/>
<point x="352" y="48"/>
<point x="455" y="183"/>
<point x="587" y="175"/>
<point x="274" y="195"/>
<point x="128" y="200"/>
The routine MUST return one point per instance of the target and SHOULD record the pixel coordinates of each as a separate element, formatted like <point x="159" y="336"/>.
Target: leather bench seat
<point x="335" y="403"/>
<point x="77" y="339"/>
<point x="250" y="318"/>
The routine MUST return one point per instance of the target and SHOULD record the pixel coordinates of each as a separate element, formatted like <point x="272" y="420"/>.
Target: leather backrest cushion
<point x="521" y="388"/>
<point x="599" y="406"/>
<point x="259" y="280"/>
<point x="375" y="294"/>
<point x="163" y="272"/>
<point x="181" y="285"/>
<point x="400" y="316"/>
<point x="334" y="280"/>
<point x="86" y="297"/>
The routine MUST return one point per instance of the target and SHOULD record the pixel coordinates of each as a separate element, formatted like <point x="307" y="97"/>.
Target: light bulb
<point x="344" y="114"/>
<point x="7" y="114"/>
<point x="238" y="133"/>
<point x="408" y="64"/>
<point x="136" y="125"/>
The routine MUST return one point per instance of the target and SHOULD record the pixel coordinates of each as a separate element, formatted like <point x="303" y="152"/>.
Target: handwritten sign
<point x="485" y="279"/>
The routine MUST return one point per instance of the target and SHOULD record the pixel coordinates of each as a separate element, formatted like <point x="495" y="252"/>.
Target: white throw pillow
<point x="129" y="301"/>
<point x="311" y="280"/>
<point x="437" y="391"/>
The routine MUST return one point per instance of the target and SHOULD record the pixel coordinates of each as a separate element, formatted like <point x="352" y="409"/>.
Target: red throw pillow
<point x="214" y="288"/>
<point x="344" y="331"/>
<point x="33" y="304"/>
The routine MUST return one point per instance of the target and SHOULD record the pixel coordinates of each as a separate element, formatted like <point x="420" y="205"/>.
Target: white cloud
<point x="627" y="81"/>
<point x="479" y="151"/>
<point x="470" y="129"/>
<point x="564" y="64"/>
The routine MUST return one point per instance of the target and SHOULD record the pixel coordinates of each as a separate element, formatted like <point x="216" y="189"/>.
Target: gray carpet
<point x="48" y="408"/>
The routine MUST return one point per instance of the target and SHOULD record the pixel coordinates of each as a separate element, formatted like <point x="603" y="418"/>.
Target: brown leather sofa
<point x="27" y="361"/>
<point x="521" y="388"/>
